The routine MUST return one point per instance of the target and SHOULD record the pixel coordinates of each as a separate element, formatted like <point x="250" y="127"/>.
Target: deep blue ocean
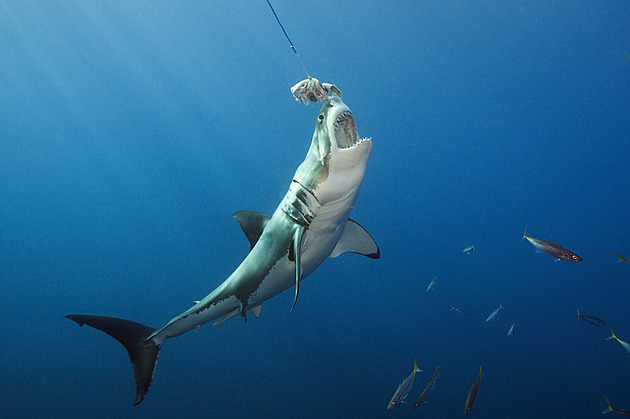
<point x="130" y="132"/>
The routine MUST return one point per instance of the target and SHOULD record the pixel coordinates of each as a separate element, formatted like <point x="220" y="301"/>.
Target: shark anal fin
<point x="252" y="223"/>
<point x="355" y="239"/>
<point x="143" y="352"/>
<point x="297" y="249"/>
<point x="256" y="311"/>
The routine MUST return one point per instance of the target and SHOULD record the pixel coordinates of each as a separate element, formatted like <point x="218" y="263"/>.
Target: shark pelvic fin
<point x="297" y="250"/>
<point x="252" y="223"/>
<point x="227" y="317"/>
<point x="355" y="239"/>
<point x="143" y="352"/>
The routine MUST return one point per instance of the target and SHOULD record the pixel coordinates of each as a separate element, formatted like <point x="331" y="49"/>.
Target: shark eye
<point x="321" y="118"/>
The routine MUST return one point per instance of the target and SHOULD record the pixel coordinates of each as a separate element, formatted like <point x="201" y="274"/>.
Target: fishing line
<point x="288" y="39"/>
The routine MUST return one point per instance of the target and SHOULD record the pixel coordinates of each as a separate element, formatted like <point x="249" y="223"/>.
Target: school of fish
<point x="549" y="248"/>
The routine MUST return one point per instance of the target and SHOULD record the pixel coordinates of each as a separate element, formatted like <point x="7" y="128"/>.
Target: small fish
<point x="624" y="412"/>
<point x="432" y="284"/>
<point x="403" y="389"/>
<point x="625" y="345"/>
<point x="472" y="393"/>
<point x="461" y="311"/>
<point x="552" y="249"/>
<point x="427" y="390"/>
<point x="595" y="321"/>
<point x="622" y="259"/>
<point x="469" y="249"/>
<point x="494" y="314"/>
<point x="511" y="330"/>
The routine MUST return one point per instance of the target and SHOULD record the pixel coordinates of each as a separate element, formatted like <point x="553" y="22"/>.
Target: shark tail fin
<point x="143" y="352"/>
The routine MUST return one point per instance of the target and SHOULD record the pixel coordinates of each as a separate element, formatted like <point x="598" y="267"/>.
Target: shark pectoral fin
<point x="227" y="317"/>
<point x="135" y="337"/>
<point x="355" y="239"/>
<point x="252" y="223"/>
<point x="297" y="250"/>
<point x="256" y="311"/>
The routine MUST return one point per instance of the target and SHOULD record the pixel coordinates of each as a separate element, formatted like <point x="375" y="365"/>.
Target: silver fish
<point x="595" y="321"/>
<point x="622" y="259"/>
<point x="552" y="249"/>
<point x="461" y="311"/>
<point x="494" y="314"/>
<point x="624" y="412"/>
<point x="432" y="284"/>
<point x="625" y="345"/>
<point x="403" y="389"/>
<point x="427" y="390"/>
<point x="472" y="393"/>
<point x="511" y="330"/>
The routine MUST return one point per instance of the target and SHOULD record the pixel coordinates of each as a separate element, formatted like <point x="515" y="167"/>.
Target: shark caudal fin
<point x="143" y="353"/>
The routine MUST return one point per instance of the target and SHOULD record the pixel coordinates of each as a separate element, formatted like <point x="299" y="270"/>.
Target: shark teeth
<point x="346" y="130"/>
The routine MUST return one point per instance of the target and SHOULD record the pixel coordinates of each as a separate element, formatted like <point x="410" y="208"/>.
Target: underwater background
<point x="130" y="132"/>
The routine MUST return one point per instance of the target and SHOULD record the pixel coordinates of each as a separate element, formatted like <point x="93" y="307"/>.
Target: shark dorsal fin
<point x="252" y="223"/>
<point x="355" y="239"/>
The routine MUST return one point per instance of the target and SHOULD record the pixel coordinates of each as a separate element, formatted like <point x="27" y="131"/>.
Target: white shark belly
<point x="282" y="277"/>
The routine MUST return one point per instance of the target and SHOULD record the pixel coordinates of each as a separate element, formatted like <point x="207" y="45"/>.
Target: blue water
<point x="131" y="131"/>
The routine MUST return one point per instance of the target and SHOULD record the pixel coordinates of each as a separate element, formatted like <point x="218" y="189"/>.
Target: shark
<point x="310" y="224"/>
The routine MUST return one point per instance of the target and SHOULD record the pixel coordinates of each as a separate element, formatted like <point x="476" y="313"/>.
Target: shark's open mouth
<point x="346" y="130"/>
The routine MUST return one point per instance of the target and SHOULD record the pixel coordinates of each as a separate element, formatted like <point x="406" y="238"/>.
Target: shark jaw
<point x="336" y="135"/>
<point x="345" y="130"/>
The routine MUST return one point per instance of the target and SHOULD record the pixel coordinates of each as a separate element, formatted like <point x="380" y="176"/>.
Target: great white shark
<point x="310" y="224"/>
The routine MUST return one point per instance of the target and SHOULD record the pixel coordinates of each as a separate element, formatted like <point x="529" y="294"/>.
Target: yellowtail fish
<point x="552" y="249"/>
<point x="624" y="412"/>
<point x="432" y="284"/>
<point x="427" y="390"/>
<point x="495" y="313"/>
<point x="461" y="311"/>
<point x="625" y="345"/>
<point x="403" y="389"/>
<point x="472" y="393"/>
<point x="469" y="249"/>
<point x="595" y="321"/>
<point x="511" y="330"/>
<point x="622" y="259"/>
